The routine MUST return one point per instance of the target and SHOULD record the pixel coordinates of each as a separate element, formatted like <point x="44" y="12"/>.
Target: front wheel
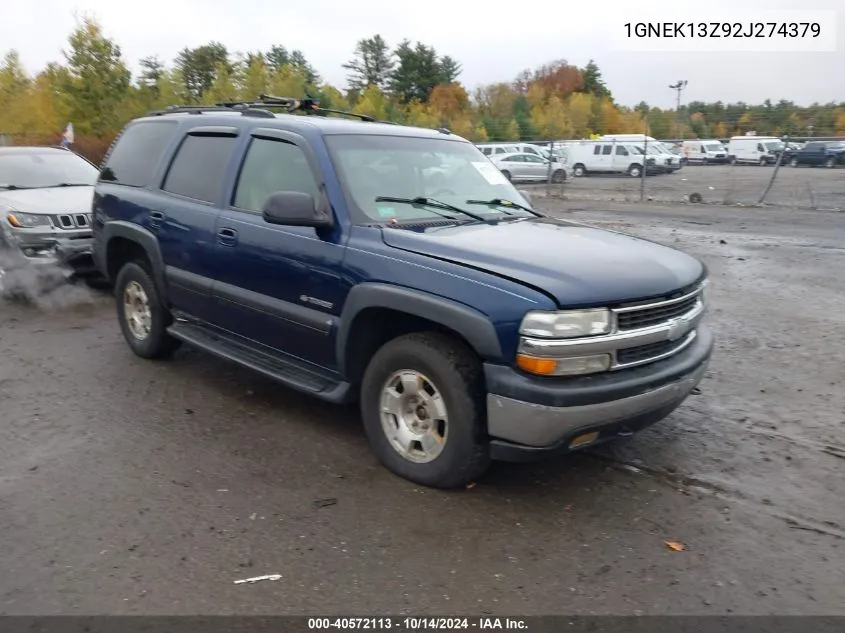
<point x="422" y="403"/>
<point x="579" y="170"/>
<point x="794" y="162"/>
<point x="559" y="176"/>
<point x="763" y="162"/>
<point x="830" y="163"/>
<point x="143" y="319"/>
<point x="635" y="171"/>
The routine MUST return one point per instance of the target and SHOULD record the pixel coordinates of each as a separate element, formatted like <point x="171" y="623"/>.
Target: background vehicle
<point x="525" y="167"/>
<point x="466" y="325"/>
<point x="493" y="149"/>
<point x="754" y="150"/>
<point x="45" y="206"/>
<point x="706" y="152"/>
<point x="814" y="153"/>
<point x="609" y="157"/>
<point x="665" y="160"/>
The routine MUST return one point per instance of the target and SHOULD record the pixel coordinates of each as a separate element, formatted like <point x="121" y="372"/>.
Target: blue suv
<point x="395" y="267"/>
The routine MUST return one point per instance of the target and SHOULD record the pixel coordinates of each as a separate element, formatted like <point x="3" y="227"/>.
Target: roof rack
<point x="261" y="107"/>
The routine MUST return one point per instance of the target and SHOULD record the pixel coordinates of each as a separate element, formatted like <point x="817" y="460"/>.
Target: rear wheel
<point x="830" y="162"/>
<point x="635" y="171"/>
<point x="794" y="162"/>
<point x="143" y="319"/>
<point x="579" y="170"/>
<point x="732" y="160"/>
<point x="559" y="176"/>
<point x="422" y="405"/>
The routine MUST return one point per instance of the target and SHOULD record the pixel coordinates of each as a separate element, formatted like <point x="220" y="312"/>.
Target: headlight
<point x="566" y="324"/>
<point x="27" y="220"/>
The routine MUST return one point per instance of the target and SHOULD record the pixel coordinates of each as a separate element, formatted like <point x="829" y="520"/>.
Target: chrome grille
<point x="653" y="315"/>
<point x="650" y="353"/>
<point x="72" y="221"/>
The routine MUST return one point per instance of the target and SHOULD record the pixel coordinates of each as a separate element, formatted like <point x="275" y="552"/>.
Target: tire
<point x="506" y="174"/>
<point x="559" y="176"/>
<point x="429" y="360"/>
<point x="793" y="162"/>
<point x="732" y="160"/>
<point x="134" y="282"/>
<point x="763" y="162"/>
<point x="579" y="171"/>
<point x="635" y="171"/>
<point x="830" y="163"/>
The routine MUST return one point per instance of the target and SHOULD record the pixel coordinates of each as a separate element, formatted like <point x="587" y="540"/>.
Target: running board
<point x="290" y="373"/>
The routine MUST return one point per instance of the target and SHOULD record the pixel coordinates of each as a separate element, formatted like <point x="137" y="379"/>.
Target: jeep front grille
<point x="72" y="221"/>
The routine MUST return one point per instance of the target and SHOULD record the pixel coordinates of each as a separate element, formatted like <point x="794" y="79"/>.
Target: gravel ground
<point x="802" y="187"/>
<point x="137" y="487"/>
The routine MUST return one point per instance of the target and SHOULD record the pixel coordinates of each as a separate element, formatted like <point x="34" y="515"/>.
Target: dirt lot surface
<point x="129" y="486"/>
<point x="802" y="187"/>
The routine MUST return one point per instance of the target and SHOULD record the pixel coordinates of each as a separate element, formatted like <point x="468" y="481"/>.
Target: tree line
<point x="411" y="83"/>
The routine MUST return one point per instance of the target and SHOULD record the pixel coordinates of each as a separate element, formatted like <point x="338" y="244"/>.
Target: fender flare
<point x="472" y="325"/>
<point x="146" y="240"/>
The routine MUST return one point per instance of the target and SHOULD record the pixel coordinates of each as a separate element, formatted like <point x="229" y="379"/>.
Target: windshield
<point x="836" y="146"/>
<point x="39" y="170"/>
<point x="714" y="147"/>
<point x="449" y="171"/>
<point x="773" y="146"/>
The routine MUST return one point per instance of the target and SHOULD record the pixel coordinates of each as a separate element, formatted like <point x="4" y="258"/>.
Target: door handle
<point x="156" y="218"/>
<point x="227" y="237"/>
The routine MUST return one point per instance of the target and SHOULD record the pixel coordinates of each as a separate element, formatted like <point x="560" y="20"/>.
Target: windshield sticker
<point x="490" y="173"/>
<point x="387" y="212"/>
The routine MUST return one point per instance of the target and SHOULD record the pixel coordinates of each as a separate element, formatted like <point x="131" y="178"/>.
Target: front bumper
<point x="72" y="249"/>
<point x="531" y="418"/>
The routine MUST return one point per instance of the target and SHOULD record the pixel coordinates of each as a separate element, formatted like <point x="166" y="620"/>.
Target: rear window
<point x="134" y="157"/>
<point x="199" y="168"/>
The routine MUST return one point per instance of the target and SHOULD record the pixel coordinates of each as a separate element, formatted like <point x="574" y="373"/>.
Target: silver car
<point x="525" y="167"/>
<point x="45" y="206"/>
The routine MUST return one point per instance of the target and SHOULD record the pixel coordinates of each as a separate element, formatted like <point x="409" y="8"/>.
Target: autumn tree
<point x="593" y="83"/>
<point x="96" y="81"/>
<point x="372" y="64"/>
<point x="372" y="103"/>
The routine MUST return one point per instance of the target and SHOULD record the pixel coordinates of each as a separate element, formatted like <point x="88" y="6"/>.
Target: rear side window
<point x="607" y="150"/>
<point x="133" y="159"/>
<point x="199" y="167"/>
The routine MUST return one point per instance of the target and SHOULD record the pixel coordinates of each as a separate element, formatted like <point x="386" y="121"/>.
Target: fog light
<point x="575" y="366"/>
<point x="583" y="440"/>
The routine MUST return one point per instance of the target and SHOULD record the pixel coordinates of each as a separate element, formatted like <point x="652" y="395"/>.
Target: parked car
<point x="814" y="153"/>
<point x="609" y="157"/>
<point x="45" y="207"/>
<point x="467" y="325"/>
<point x="754" y="150"/>
<point x="705" y="152"/>
<point x="526" y="167"/>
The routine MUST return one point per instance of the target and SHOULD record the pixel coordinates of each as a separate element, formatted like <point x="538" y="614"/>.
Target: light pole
<point x="679" y="86"/>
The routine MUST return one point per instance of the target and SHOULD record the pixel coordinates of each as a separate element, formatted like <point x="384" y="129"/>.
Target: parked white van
<point x="705" y="152"/>
<point x="492" y="149"/>
<point x="665" y="159"/>
<point x="608" y="157"/>
<point x="759" y="150"/>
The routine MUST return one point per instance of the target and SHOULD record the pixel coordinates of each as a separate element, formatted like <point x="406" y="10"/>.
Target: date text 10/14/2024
<point x="408" y="623"/>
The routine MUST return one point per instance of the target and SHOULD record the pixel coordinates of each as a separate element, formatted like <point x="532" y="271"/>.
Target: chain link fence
<point x="742" y="184"/>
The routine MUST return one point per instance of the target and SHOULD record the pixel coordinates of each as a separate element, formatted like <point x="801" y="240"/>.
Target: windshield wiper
<point x="499" y="202"/>
<point x="431" y="202"/>
<point x="72" y="184"/>
<point x="13" y="187"/>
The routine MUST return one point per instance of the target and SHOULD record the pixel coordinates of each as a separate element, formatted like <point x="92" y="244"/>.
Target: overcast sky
<point x="493" y="39"/>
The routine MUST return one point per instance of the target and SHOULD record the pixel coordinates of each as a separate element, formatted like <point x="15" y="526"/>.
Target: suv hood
<point x="52" y="200"/>
<point x="576" y="265"/>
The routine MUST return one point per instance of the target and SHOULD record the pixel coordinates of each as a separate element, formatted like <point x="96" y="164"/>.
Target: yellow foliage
<point x="449" y="101"/>
<point x="372" y="103"/>
<point x="580" y="107"/>
<point x="287" y="81"/>
<point x="512" y="132"/>
<point x="421" y="115"/>
<point x="479" y="135"/>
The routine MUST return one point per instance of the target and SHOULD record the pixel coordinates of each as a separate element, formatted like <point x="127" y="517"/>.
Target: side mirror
<point x="294" y="208"/>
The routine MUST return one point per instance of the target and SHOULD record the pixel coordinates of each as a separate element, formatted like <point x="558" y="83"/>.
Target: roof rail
<point x="261" y="107"/>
